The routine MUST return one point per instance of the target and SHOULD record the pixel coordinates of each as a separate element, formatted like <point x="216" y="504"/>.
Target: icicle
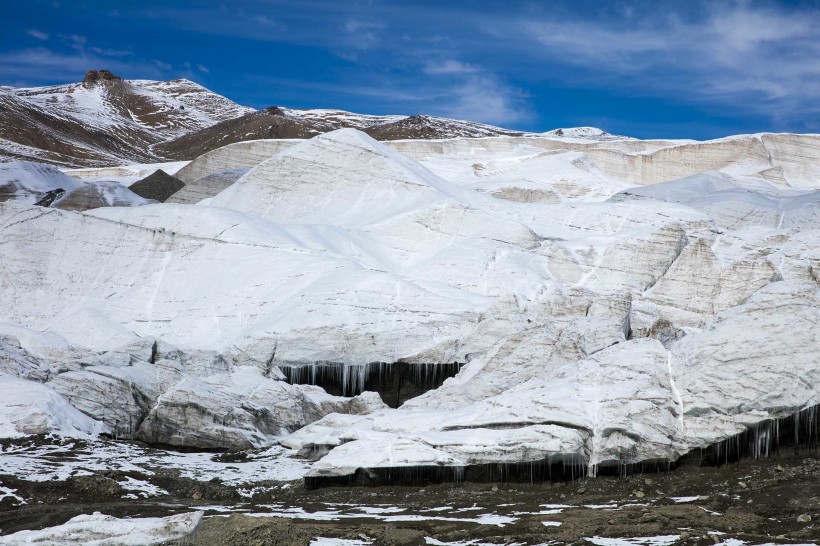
<point x="395" y="382"/>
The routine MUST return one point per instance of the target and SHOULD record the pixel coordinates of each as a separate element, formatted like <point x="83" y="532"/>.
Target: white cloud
<point x="449" y="66"/>
<point x="202" y="68"/>
<point x="264" y="20"/>
<point x="484" y="99"/>
<point x="467" y="91"/>
<point x="37" y="34"/>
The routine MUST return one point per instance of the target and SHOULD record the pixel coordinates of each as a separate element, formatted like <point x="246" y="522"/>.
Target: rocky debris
<point x="700" y="504"/>
<point x="95" y="77"/>
<point x="158" y="186"/>
<point x="49" y="197"/>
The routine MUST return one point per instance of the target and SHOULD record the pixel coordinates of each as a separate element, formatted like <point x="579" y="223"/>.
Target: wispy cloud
<point x="469" y="91"/>
<point x="75" y="40"/>
<point x="37" y="34"/>
<point x="68" y="58"/>
<point x="476" y="97"/>
<point x="45" y="65"/>
<point x="736" y="54"/>
<point x="483" y="98"/>
<point x="111" y="52"/>
<point x="449" y="67"/>
<point x="264" y="20"/>
<point x="361" y="35"/>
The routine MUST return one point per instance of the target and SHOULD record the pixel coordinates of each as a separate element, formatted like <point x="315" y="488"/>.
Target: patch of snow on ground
<point x="143" y="488"/>
<point x="434" y="542"/>
<point x="101" y="530"/>
<point x="322" y="541"/>
<point x="7" y="492"/>
<point x="663" y="540"/>
<point x="387" y="515"/>
<point x="681" y="500"/>
<point x="59" y="461"/>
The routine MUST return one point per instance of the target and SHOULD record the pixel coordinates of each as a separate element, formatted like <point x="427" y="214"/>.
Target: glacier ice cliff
<point x="609" y="302"/>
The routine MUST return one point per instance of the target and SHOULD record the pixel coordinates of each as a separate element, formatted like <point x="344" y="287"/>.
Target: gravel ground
<point x="765" y="501"/>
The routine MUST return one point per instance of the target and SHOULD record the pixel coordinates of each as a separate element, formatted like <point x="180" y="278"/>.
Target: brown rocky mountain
<point x="268" y="123"/>
<point x="276" y="122"/>
<point x="106" y="120"/>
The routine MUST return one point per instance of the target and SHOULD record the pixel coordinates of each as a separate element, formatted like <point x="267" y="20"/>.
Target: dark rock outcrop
<point x="158" y="186"/>
<point x="93" y="77"/>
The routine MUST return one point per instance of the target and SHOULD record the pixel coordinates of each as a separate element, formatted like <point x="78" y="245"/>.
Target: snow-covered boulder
<point x="44" y="185"/>
<point x="28" y="407"/>
<point x="104" y="530"/>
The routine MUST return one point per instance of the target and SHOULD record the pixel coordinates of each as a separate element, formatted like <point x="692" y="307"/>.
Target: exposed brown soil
<point x="775" y="500"/>
<point x="267" y="123"/>
<point x="421" y="127"/>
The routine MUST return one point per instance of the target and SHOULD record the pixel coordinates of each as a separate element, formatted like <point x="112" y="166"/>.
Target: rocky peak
<point x="93" y="77"/>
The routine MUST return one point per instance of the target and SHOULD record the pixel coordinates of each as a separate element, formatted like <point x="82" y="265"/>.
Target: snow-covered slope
<point x="612" y="302"/>
<point x="589" y="133"/>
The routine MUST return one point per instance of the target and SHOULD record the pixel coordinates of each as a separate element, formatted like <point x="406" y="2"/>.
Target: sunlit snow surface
<point x="612" y="302"/>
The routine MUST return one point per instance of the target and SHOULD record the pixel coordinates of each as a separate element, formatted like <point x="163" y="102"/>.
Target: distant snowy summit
<point x="106" y="120"/>
<point x="585" y="133"/>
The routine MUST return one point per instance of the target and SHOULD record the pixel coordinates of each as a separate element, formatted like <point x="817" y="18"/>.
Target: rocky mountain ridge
<point x="106" y="120"/>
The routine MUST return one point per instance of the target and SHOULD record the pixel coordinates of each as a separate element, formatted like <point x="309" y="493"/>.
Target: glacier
<point x="609" y="302"/>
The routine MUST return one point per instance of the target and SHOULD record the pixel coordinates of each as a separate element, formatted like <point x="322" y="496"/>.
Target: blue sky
<point x="642" y="68"/>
